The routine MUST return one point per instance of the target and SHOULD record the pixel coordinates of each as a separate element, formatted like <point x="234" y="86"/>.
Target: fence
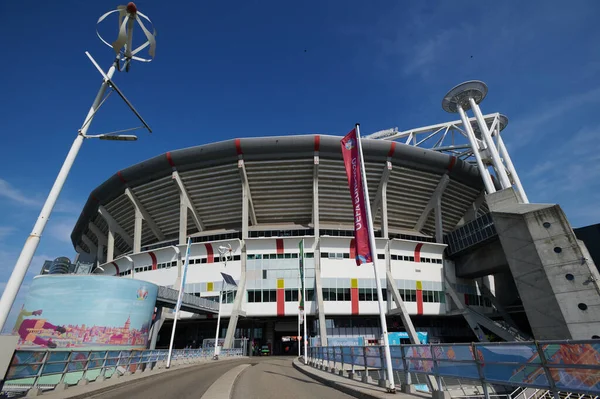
<point x="47" y="369"/>
<point x="570" y="366"/>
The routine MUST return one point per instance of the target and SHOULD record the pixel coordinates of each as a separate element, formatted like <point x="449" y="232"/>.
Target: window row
<point x="412" y="259"/>
<point x="345" y="255"/>
<point x="198" y="261"/>
<point x="370" y="294"/>
<point x="307" y="255"/>
<point x="291" y="295"/>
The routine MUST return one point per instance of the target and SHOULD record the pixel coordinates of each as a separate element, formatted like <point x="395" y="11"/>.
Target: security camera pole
<point x="124" y="53"/>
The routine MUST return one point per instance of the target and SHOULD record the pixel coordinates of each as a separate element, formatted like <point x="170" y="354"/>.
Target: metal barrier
<point x="557" y="366"/>
<point x="48" y="369"/>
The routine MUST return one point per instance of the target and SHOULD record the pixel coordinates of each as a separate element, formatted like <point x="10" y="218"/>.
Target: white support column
<point x="439" y="227"/>
<point x="483" y="170"/>
<point x="102" y="242"/>
<point x="318" y="297"/>
<point x="385" y="176"/>
<point x="137" y="232"/>
<point x="110" y="246"/>
<point x="240" y="297"/>
<point x="145" y="215"/>
<point x="245" y="206"/>
<point x="183" y="219"/>
<point x="435" y="196"/>
<point x="188" y="203"/>
<point x="115" y="226"/>
<point x="246" y="188"/>
<point x="511" y="168"/>
<point x="487" y="138"/>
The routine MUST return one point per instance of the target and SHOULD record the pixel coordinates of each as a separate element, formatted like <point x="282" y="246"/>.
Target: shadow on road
<point x="308" y="380"/>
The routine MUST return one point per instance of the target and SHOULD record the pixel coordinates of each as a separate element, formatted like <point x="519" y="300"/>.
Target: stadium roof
<point x="280" y="176"/>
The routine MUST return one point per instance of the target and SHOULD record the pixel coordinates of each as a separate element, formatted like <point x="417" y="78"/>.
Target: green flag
<point x="301" y="265"/>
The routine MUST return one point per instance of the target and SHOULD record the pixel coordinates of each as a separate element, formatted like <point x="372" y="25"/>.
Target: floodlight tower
<point x="467" y="96"/>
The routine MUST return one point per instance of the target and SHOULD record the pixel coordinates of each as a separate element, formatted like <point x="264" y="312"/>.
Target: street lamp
<point x="124" y="53"/>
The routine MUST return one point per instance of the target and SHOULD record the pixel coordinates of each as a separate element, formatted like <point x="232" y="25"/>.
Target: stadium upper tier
<point x="281" y="172"/>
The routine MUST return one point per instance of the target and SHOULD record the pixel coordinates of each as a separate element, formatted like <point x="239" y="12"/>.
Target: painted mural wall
<point x="64" y="312"/>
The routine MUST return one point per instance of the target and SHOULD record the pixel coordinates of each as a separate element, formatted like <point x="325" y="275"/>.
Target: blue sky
<point x="239" y="69"/>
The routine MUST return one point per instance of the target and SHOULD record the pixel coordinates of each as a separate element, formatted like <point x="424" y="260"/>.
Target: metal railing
<point x="47" y="369"/>
<point x="554" y="366"/>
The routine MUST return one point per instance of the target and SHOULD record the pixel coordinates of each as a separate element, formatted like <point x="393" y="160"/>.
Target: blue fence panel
<point x="373" y="356"/>
<point x="456" y="369"/>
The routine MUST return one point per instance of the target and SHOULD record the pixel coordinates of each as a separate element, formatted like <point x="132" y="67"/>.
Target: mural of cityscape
<point x="86" y="312"/>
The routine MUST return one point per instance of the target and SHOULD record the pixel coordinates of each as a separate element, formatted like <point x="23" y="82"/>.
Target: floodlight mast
<point x="129" y="14"/>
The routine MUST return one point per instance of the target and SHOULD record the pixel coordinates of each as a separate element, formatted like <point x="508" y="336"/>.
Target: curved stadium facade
<point x="262" y="196"/>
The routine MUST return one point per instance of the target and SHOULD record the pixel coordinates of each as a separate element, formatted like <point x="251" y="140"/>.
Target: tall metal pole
<point x="511" y="168"/>
<point x="373" y="249"/>
<point x="305" y="340"/>
<point x="485" y="174"/>
<point x="485" y="133"/>
<point x="216" y="354"/>
<point x="20" y="270"/>
<point x="179" y="300"/>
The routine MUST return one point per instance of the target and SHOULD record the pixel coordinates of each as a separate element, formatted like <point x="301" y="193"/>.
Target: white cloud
<point x="35" y="200"/>
<point x="14" y="194"/>
<point x="5" y="231"/>
<point x="61" y="230"/>
<point x="569" y="175"/>
<point x="537" y="122"/>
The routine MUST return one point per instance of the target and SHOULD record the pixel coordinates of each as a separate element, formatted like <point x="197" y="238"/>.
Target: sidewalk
<point x="353" y="387"/>
<point x="83" y="390"/>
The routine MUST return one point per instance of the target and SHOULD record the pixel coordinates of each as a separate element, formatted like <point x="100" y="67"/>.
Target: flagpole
<point x="299" y="318"/>
<point x="179" y="300"/>
<point x="305" y="340"/>
<point x="216" y="354"/>
<point x="373" y="249"/>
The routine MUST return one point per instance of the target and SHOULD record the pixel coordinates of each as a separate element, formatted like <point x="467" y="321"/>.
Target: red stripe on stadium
<point x="154" y="262"/>
<point x="121" y="177"/>
<point x="210" y="258"/>
<point x="116" y="268"/>
<point x="353" y="249"/>
<point x="238" y="146"/>
<point x="280" y="302"/>
<point x="418" y="252"/>
<point x="419" y="302"/>
<point x="392" y="149"/>
<point x="280" y="248"/>
<point x="317" y="143"/>
<point x="451" y="164"/>
<point x="170" y="160"/>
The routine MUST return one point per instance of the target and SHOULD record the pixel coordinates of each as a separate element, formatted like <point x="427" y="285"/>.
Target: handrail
<point x="48" y="369"/>
<point x="565" y="366"/>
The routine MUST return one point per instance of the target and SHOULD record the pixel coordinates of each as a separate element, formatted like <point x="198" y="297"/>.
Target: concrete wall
<point x="556" y="282"/>
<point x="483" y="261"/>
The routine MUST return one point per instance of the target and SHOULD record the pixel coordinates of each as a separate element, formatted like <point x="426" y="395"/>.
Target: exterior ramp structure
<point x="557" y="281"/>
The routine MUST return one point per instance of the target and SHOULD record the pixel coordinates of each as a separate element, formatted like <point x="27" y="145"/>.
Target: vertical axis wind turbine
<point x="125" y="53"/>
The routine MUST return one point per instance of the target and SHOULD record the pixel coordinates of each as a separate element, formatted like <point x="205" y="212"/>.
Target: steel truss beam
<point x="187" y="200"/>
<point x="112" y="224"/>
<point x="145" y="215"/>
<point x="433" y="200"/>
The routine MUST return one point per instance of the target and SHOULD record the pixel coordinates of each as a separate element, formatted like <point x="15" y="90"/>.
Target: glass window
<point x="324" y="255"/>
<point x="280" y="256"/>
<point x="295" y="295"/>
<point x="381" y="256"/>
<point x="309" y="255"/>
<point x="258" y="296"/>
<point x="251" y="256"/>
<point x="250" y="296"/>
<point x="287" y="256"/>
<point x="272" y="256"/>
<point x="264" y="272"/>
<point x="411" y="258"/>
<point x="310" y="295"/>
<point x="288" y="295"/>
<point x="361" y="294"/>
<point x="346" y="256"/>
<point x="295" y="256"/>
<point x="272" y="295"/>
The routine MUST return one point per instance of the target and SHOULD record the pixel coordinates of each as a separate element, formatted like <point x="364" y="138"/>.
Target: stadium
<point x="248" y="203"/>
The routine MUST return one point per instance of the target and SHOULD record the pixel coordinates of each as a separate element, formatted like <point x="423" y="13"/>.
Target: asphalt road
<point x="186" y="383"/>
<point x="275" y="377"/>
<point x="269" y="377"/>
